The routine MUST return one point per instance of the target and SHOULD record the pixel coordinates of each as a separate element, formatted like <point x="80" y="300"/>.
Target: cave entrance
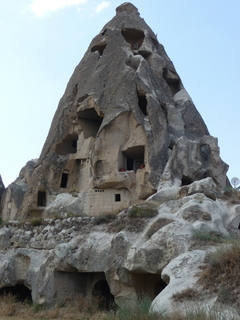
<point x="134" y="158"/>
<point x="101" y="292"/>
<point x="69" y="145"/>
<point x="90" y="122"/>
<point x="68" y="285"/>
<point x="142" y="103"/>
<point x="147" y="284"/>
<point x="186" y="181"/>
<point x="20" y="291"/>
<point x="134" y="37"/>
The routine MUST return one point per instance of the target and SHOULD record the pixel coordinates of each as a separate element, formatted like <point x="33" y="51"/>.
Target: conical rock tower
<point x="124" y="129"/>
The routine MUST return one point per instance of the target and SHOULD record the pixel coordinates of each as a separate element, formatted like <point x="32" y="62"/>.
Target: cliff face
<point x="124" y="125"/>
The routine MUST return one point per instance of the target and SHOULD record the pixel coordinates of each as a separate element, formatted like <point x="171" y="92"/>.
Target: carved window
<point x="41" y="200"/>
<point x="117" y="197"/>
<point x="64" y="180"/>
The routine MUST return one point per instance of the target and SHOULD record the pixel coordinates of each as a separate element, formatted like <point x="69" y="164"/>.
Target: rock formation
<point x="125" y="130"/>
<point x="2" y="187"/>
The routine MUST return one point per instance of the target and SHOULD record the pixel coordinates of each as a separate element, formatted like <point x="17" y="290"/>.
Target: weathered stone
<point x="2" y="187"/>
<point x="124" y="127"/>
<point x="4" y="238"/>
<point x="206" y="186"/>
<point x="180" y="274"/>
<point x="125" y="130"/>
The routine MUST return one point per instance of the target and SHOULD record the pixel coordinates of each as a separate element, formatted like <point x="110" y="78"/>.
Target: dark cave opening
<point x="100" y="48"/>
<point x="41" y="200"/>
<point x="142" y="103"/>
<point x="134" y="37"/>
<point x="68" y="145"/>
<point x="186" y="181"/>
<point x="20" y="291"/>
<point x="147" y="284"/>
<point x="64" y="180"/>
<point x="101" y="292"/>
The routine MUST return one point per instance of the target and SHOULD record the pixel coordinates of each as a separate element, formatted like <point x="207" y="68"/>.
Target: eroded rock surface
<point x="156" y="254"/>
<point x="125" y="131"/>
<point x="124" y="128"/>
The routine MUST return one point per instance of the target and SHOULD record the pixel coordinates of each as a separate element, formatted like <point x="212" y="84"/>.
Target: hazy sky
<point x="43" y="40"/>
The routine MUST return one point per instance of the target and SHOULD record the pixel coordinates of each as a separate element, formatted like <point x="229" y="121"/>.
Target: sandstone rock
<point x="190" y="161"/>
<point x="206" y="186"/>
<point x="4" y="238"/>
<point x="124" y="128"/>
<point x="180" y="274"/>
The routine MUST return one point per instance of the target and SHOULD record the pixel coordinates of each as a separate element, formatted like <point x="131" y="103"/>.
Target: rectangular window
<point x="41" y="200"/>
<point x="64" y="180"/>
<point x="117" y="197"/>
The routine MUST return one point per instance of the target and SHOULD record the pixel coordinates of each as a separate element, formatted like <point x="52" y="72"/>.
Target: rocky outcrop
<point x="125" y="132"/>
<point x="2" y="187"/>
<point x="155" y="254"/>
<point x="124" y="128"/>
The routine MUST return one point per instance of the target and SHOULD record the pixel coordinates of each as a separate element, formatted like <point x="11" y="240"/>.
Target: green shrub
<point x="137" y="310"/>
<point x="204" y="237"/>
<point x="147" y="210"/>
<point x="36" y="222"/>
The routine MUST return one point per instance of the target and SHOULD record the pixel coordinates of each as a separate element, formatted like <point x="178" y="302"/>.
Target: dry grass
<point x="187" y="294"/>
<point x="146" y="210"/>
<point x="231" y="195"/>
<point x="87" y="309"/>
<point x="158" y="224"/>
<point x="202" y="239"/>
<point x="221" y="273"/>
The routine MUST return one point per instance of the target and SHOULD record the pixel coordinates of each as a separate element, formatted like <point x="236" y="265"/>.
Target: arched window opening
<point x="103" y="295"/>
<point x="64" y="179"/>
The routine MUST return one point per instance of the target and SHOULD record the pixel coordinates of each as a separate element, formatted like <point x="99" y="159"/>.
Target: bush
<point x="103" y="218"/>
<point x="232" y="195"/>
<point x="203" y="237"/>
<point x="221" y="274"/>
<point x="147" y="210"/>
<point x="36" y="222"/>
<point x="137" y="310"/>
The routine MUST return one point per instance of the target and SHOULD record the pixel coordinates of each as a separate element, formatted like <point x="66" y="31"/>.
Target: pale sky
<point x="43" y="40"/>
